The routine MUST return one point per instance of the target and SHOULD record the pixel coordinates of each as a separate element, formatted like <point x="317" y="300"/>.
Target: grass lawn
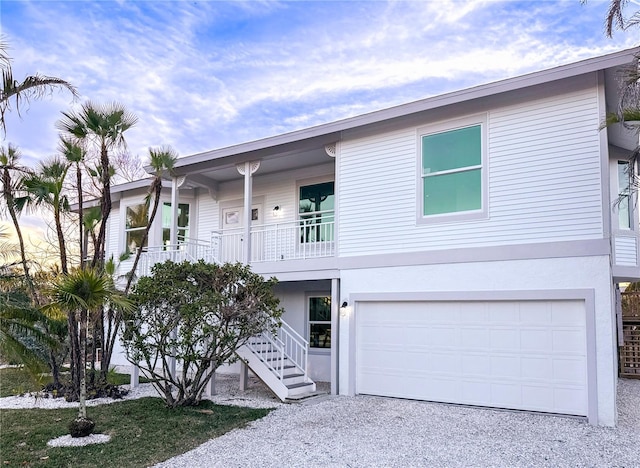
<point x="143" y="432"/>
<point x="15" y="381"/>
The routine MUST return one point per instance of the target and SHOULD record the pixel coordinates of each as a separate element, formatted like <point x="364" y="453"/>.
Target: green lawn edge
<point x="143" y="432"/>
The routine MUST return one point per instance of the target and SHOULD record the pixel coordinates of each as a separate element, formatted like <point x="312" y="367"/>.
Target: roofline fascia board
<point x="253" y="149"/>
<point x="136" y="184"/>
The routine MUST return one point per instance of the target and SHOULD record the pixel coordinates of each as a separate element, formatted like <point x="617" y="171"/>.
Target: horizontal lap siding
<point x="626" y="253"/>
<point x="208" y="215"/>
<point x="544" y="183"/>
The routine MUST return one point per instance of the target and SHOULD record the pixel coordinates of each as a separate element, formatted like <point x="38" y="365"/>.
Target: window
<point x="315" y="210"/>
<point x="137" y="218"/>
<point x="451" y="163"/>
<point x="320" y="322"/>
<point x="624" y="182"/>
<point x="183" y="222"/>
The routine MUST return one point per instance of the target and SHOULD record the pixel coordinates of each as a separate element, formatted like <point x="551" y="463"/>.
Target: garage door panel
<point x="535" y="313"/>
<point x="570" y="371"/>
<point x="569" y="341"/>
<point x="518" y="355"/>
<point x="505" y="339"/>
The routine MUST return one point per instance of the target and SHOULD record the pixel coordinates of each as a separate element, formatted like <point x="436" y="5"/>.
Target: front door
<point x="232" y="238"/>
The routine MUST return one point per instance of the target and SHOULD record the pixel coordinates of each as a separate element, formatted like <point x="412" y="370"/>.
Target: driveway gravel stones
<point x="368" y="431"/>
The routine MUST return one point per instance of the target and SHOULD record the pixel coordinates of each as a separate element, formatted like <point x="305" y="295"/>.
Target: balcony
<point x="311" y="236"/>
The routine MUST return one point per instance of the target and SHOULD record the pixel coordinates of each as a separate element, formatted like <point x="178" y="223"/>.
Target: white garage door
<point x="529" y="355"/>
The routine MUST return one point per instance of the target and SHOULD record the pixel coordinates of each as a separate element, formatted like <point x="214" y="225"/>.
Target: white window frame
<point x="125" y="245"/>
<point x="308" y="322"/>
<point x="442" y="127"/>
<point x="189" y="227"/>
<point x="630" y="210"/>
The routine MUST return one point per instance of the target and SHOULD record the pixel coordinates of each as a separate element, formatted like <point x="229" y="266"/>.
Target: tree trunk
<point x="105" y="207"/>
<point x="61" y="242"/>
<point x="6" y="181"/>
<point x="82" y="411"/>
<point x="80" y="216"/>
<point x="75" y="355"/>
<point x="156" y="186"/>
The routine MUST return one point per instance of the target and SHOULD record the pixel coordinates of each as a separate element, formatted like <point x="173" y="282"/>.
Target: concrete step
<point x="297" y="389"/>
<point x="295" y="378"/>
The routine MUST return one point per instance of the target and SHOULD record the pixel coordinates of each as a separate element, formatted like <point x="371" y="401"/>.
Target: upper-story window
<point x="624" y="183"/>
<point x="137" y="218"/>
<point x="316" y="212"/>
<point x="183" y="222"/>
<point x="452" y="171"/>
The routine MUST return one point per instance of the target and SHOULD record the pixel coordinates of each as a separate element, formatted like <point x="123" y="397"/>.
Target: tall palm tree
<point x="17" y="92"/>
<point x="75" y="154"/>
<point x="9" y="164"/>
<point x="79" y="293"/>
<point x="47" y="188"/>
<point x="615" y="17"/>
<point x="104" y="125"/>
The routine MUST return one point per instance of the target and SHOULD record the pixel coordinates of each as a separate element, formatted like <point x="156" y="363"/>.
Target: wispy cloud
<point x="206" y="74"/>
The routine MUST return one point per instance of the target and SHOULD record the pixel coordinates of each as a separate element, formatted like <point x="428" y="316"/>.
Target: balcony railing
<point x="186" y="249"/>
<point x="311" y="236"/>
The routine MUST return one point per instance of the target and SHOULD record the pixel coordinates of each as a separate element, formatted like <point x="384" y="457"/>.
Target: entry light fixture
<point x="277" y="212"/>
<point x="345" y="310"/>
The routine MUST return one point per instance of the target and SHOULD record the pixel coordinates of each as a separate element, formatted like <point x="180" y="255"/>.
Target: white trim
<point x="307" y="322"/>
<point x="586" y="295"/>
<point x="565" y="249"/>
<point x="442" y="127"/>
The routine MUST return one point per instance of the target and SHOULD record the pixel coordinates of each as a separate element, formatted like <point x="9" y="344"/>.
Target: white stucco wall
<point x="518" y="275"/>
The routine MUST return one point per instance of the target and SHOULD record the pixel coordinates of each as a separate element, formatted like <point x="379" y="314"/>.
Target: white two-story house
<point x="464" y="248"/>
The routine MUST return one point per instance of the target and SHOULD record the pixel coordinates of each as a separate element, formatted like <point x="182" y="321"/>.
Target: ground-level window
<point x="183" y="222"/>
<point x="137" y="218"/>
<point x="316" y="212"/>
<point x="451" y="164"/>
<point x="320" y="322"/>
<point x="624" y="183"/>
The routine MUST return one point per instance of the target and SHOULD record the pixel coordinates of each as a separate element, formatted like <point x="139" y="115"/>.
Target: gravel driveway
<point x="372" y="431"/>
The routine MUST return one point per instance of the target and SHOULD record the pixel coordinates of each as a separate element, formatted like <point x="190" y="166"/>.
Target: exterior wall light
<point x="345" y="310"/>
<point x="277" y="212"/>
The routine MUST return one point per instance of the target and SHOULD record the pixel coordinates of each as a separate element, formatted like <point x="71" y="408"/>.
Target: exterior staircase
<point x="280" y="361"/>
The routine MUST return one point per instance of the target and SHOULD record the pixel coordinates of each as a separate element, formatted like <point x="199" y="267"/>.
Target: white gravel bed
<point x="383" y="432"/>
<point x="68" y="441"/>
<point x="227" y="393"/>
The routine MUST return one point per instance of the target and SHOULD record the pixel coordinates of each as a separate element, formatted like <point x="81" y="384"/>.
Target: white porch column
<point x="175" y="190"/>
<point x="247" y="170"/>
<point x="335" y="337"/>
<point x="135" y="376"/>
<point x="176" y="183"/>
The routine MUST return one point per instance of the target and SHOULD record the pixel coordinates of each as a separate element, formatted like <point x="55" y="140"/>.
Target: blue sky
<point x="205" y="74"/>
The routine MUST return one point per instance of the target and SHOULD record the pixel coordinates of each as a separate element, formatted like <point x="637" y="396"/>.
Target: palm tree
<point x="162" y="160"/>
<point x="9" y="164"/>
<point x="75" y="154"/>
<point x="19" y="330"/>
<point x="47" y="188"/>
<point x="20" y="92"/>
<point x="105" y="126"/>
<point x="79" y="293"/>
<point x="615" y="17"/>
